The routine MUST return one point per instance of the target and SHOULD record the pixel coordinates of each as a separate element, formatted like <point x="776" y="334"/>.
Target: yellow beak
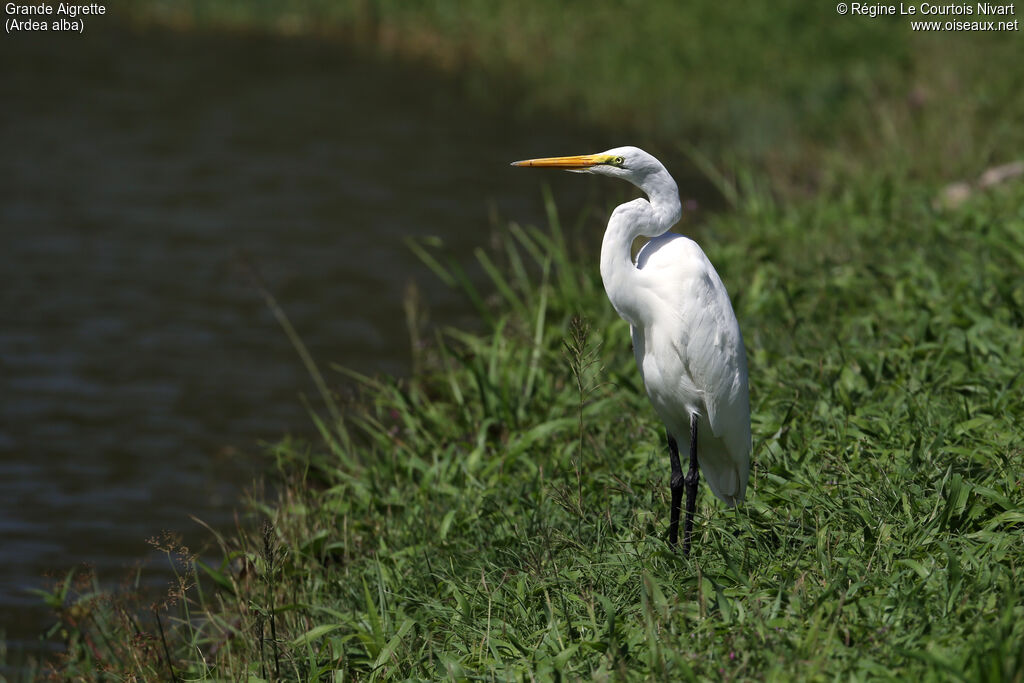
<point x="573" y="162"/>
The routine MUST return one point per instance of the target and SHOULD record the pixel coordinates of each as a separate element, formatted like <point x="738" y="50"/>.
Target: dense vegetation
<point x="501" y="515"/>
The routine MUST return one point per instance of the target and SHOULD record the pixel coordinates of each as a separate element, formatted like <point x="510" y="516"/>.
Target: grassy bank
<point x="503" y="514"/>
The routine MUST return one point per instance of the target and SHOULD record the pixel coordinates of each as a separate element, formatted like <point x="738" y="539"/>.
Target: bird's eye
<point x="618" y="161"/>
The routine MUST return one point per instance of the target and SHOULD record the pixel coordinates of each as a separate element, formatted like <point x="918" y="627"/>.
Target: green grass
<point x="503" y="514"/>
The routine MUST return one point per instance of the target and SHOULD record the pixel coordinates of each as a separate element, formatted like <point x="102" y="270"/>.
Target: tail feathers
<point x="726" y="478"/>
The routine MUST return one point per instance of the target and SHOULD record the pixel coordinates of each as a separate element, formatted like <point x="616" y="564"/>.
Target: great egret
<point x="686" y="338"/>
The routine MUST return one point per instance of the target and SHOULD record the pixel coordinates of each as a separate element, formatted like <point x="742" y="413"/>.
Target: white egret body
<point x="686" y="338"/>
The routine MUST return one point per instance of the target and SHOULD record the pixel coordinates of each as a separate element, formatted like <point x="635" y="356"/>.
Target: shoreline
<point x="494" y="519"/>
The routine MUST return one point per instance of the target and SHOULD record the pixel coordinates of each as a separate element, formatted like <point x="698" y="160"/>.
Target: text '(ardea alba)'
<point x="686" y="337"/>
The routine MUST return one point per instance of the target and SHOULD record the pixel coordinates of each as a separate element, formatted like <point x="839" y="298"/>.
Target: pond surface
<point x="139" y="368"/>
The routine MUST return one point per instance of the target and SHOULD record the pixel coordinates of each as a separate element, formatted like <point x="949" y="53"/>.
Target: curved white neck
<point x="639" y="218"/>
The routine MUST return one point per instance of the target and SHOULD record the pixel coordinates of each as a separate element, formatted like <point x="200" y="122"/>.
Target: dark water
<point x="138" y="368"/>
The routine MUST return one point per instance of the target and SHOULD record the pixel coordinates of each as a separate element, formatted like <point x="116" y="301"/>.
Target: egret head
<point x="628" y="163"/>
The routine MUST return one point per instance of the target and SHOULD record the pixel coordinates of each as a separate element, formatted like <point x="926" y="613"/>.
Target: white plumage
<point x="686" y="338"/>
<point x="691" y="358"/>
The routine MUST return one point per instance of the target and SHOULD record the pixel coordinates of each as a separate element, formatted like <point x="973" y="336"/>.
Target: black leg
<point x="692" y="477"/>
<point x="676" y="483"/>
